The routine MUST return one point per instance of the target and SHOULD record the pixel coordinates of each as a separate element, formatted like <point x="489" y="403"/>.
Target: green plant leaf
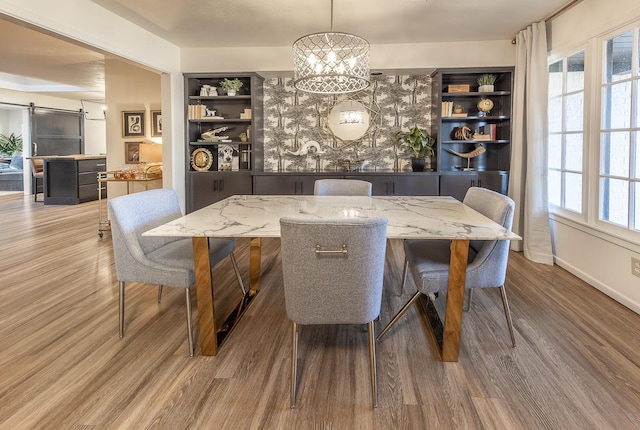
<point x="11" y="144"/>
<point x="419" y="140"/>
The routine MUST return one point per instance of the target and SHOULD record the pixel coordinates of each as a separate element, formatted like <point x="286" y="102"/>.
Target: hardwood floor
<point x="62" y="365"/>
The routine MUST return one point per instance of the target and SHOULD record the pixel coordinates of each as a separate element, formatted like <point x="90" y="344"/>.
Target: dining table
<point x="258" y="216"/>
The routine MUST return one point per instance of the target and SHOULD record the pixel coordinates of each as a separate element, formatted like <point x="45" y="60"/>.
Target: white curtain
<point x="528" y="173"/>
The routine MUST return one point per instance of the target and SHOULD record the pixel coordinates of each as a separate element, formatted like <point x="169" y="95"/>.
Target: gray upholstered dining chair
<point x="157" y="260"/>
<point x="341" y="187"/>
<point x="333" y="274"/>
<point x="428" y="260"/>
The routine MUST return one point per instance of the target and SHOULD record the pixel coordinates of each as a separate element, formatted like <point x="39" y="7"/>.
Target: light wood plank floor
<point x="62" y="365"/>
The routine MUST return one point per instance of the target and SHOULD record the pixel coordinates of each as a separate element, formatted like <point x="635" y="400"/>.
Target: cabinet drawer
<point x="98" y="165"/>
<point x="88" y="192"/>
<point x="87" y="178"/>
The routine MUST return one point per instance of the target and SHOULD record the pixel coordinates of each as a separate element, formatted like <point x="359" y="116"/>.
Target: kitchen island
<point x="71" y="179"/>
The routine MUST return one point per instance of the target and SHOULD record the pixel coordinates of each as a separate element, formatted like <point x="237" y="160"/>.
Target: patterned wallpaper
<point x="297" y="137"/>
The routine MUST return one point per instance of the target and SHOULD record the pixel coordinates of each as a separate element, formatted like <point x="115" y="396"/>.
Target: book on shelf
<point x="480" y="136"/>
<point x="447" y="109"/>
<point x="490" y="130"/>
<point x="197" y="111"/>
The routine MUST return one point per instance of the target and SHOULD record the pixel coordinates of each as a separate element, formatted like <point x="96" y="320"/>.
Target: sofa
<point x="11" y="176"/>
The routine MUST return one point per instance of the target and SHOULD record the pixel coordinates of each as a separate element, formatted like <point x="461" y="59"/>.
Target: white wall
<point x="599" y="258"/>
<point x="10" y="120"/>
<point x="95" y="129"/>
<point x="385" y="57"/>
<point x="93" y="25"/>
<point x="128" y="88"/>
<point x="590" y="18"/>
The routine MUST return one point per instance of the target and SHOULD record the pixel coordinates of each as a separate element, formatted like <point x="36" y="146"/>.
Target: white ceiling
<point x="207" y="23"/>
<point x="30" y="56"/>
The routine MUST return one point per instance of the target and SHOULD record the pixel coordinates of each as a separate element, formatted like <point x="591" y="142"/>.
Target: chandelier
<point x="351" y="115"/>
<point x="331" y="63"/>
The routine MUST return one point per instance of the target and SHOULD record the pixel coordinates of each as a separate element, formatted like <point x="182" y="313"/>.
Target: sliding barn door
<point x="56" y="132"/>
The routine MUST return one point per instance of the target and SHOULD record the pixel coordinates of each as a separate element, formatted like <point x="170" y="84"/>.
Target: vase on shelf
<point x="418" y="164"/>
<point x="231" y="92"/>
<point x="485" y="89"/>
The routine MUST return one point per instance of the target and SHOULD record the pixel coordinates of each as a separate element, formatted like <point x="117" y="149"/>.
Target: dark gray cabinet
<point x="287" y="183"/>
<point x="72" y="180"/>
<point x="401" y="184"/>
<point x="383" y="184"/>
<point x="205" y="188"/>
<point x="456" y="185"/>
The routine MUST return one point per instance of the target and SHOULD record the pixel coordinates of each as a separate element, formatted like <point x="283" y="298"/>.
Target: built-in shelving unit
<point x="492" y="129"/>
<point x="217" y="168"/>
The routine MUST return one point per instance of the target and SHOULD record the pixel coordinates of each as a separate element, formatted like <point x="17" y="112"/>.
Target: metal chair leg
<point x="404" y="275"/>
<point x="372" y="363"/>
<point x="507" y="313"/>
<point x="237" y="270"/>
<point x="294" y="363"/>
<point x="159" y="293"/>
<point x="121" y="310"/>
<point x="467" y="308"/>
<point x="189" y="325"/>
<point x="398" y="315"/>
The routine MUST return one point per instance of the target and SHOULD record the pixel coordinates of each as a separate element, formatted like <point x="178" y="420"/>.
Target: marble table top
<point x="410" y="217"/>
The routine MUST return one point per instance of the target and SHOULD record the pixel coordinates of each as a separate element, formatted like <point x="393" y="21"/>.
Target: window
<point x="619" y="175"/>
<point x="566" y="132"/>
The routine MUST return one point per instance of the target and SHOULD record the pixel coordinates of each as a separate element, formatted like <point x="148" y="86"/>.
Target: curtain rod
<point x="561" y="10"/>
<point x="555" y="14"/>
<point x="32" y="106"/>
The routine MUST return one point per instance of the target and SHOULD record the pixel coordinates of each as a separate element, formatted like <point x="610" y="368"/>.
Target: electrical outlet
<point x="635" y="266"/>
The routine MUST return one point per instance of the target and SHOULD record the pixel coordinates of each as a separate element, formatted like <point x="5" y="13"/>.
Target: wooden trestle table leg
<point x="455" y="299"/>
<point x="254" y="265"/>
<point x="206" y="311"/>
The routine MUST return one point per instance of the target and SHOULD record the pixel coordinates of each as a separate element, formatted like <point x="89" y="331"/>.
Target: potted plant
<point x="231" y="86"/>
<point x="457" y="108"/>
<point x="243" y="137"/>
<point x="10" y="145"/>
<point x="420" y="143"/>
<point x="485" y="83"/>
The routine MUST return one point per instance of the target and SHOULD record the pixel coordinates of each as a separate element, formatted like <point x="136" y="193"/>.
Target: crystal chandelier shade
<point x="331" y="63"/>
<point x="351" y="115"/>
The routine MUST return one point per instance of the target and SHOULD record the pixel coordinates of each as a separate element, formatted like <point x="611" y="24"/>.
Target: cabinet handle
<point x="215" y="185"/>
<point x="393" y="188"/>
<point x="479" y="182"/>
<point x="301" y="187"/>
<point x="221" y="184"/>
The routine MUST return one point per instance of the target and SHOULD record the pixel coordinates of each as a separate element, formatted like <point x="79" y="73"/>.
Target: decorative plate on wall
<point x="201" y="159"/>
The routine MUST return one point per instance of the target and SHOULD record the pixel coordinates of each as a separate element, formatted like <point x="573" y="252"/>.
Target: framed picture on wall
<point x="132" y="152"/>
<point x="156" y="123"/>
<point x="133" y="123"/>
